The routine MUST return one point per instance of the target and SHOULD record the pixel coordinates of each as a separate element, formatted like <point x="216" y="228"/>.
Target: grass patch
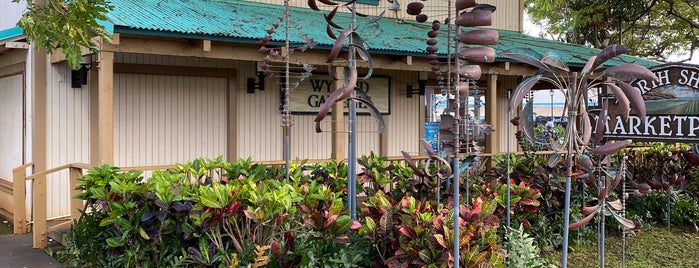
<point x="652" y="247"/>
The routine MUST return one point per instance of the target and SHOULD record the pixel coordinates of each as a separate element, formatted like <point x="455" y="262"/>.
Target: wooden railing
<point x="39" y="219"/>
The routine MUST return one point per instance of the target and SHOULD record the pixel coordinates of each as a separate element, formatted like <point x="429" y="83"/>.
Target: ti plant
<point x="582" y="139"/>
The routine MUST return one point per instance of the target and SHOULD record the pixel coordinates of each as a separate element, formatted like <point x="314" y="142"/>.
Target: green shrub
<point x="523" y="252"/>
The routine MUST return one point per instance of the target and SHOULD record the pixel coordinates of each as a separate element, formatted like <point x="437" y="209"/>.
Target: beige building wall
<point x="67" y="119"/>
<point x="508" y="16"/>
<point x="11" y="123"/>
<point x="162" y="120"/>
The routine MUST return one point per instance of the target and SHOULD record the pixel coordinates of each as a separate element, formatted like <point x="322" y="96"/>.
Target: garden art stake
<point x="458" y="76"/>
<point x="356" y="46"/>
<point x="268" y="69"/>
<point x="582" y="140"/>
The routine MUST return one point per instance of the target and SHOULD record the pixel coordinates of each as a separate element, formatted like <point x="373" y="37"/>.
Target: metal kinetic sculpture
<point x="455" y="73"/>
<point x="299" y="71"/>
<point x="582" y="140"/>
<point x="348" y="37"/>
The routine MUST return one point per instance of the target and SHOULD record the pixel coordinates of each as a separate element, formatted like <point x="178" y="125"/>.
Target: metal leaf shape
<point x="600" y="125"/>
<point x="554" y="159"/>
<point x="582" y="222"/>
<point x="635" y="99"/>
<point x="623" y="221"/>
<point x="313" y="5"/>
<point x="373" y="111"/>
<point x="329" y="18"/>
<point x="411" y="163"/>
<point x="337" y="47"/>
<point x="553" y="59"/>
<point x="522" y="91"/>
<point x="610" y="148"/>
<point x="608" y="53"/>
<point x="528" y="122"/>
<point x="589" y="210"/>
<point x="588" y="66"/>
<point x="630" y="70"/>
<point x="362" y="49"/>
<point x="616" y="205"/>
<point x="328" y="2"/>
<point x="337" y="95"/>
<point x="586" y="128"/>
<point x="525" y="55"/>
<point x="428" y="147"/>
<point x="585" y="162"/>
<point x="621" y="98"/>
<point x="329" y="32"/>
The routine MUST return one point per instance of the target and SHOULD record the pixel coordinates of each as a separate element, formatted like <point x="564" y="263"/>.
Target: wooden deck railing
<point x="39" y="219"/>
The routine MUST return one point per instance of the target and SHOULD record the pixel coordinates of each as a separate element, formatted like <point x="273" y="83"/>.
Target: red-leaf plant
<point x="412" y="233"/>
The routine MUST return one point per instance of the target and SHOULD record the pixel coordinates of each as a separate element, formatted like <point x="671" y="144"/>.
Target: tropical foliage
<point x="655" y="29"/>
<point x="65" y="25"/>
<point x="213" y="213"/>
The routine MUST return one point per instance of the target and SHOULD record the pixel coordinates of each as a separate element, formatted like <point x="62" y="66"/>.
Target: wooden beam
<point x="75" y="204"/>
<point x="17" y="68"/>
<point x="20" y="45"/>
<point x="206" y="45"/>
<point x="491" y="115"/>
<point x="38" y="140"/>
<point x="58" y="56"/>
<point x="131" y="68"/>
<point x="13" y="57"/>
<point x="338" y="139"/>
<point x="94" y="117"/>
<point x="408" y="60"/>
<point x="19" y="194"/>
<point x="116" y="38"/>
<point x="105" y="102"/>
<point x="242" y="52"/>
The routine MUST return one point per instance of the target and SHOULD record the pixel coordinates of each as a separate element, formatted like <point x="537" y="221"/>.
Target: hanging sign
<point x="311" y="94"/>
<point x="672" y="107"/>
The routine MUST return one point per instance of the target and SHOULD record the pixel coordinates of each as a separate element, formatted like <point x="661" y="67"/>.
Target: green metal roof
<point x="11" y="33"/>
<point x="246" y="22"/>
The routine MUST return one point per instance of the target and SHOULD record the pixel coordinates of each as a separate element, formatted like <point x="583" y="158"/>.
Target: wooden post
<point x="38" y="140"/>
<point x="39" y="229"/>
<point x="338" y="120"/>
<point x="491" y="116"/>
<point x="19" y="193"/>
<point x="75" y="204"/>
<point x="106" y="107"/>
<point x="94" y="121"/>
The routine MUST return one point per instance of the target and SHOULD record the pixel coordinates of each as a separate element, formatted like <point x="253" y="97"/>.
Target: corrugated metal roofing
<point x="10" y="33"/>
<point x="246" y="22"/>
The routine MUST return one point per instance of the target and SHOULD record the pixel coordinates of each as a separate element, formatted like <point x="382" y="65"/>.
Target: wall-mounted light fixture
<point x="259" y="85"/>
<point x="421" y="84"/>
<point x="79" y="77"/>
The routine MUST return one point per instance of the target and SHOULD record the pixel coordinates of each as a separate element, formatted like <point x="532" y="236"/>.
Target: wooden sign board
<point x="311" y="94"/>
<point x="672" y="108"/>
